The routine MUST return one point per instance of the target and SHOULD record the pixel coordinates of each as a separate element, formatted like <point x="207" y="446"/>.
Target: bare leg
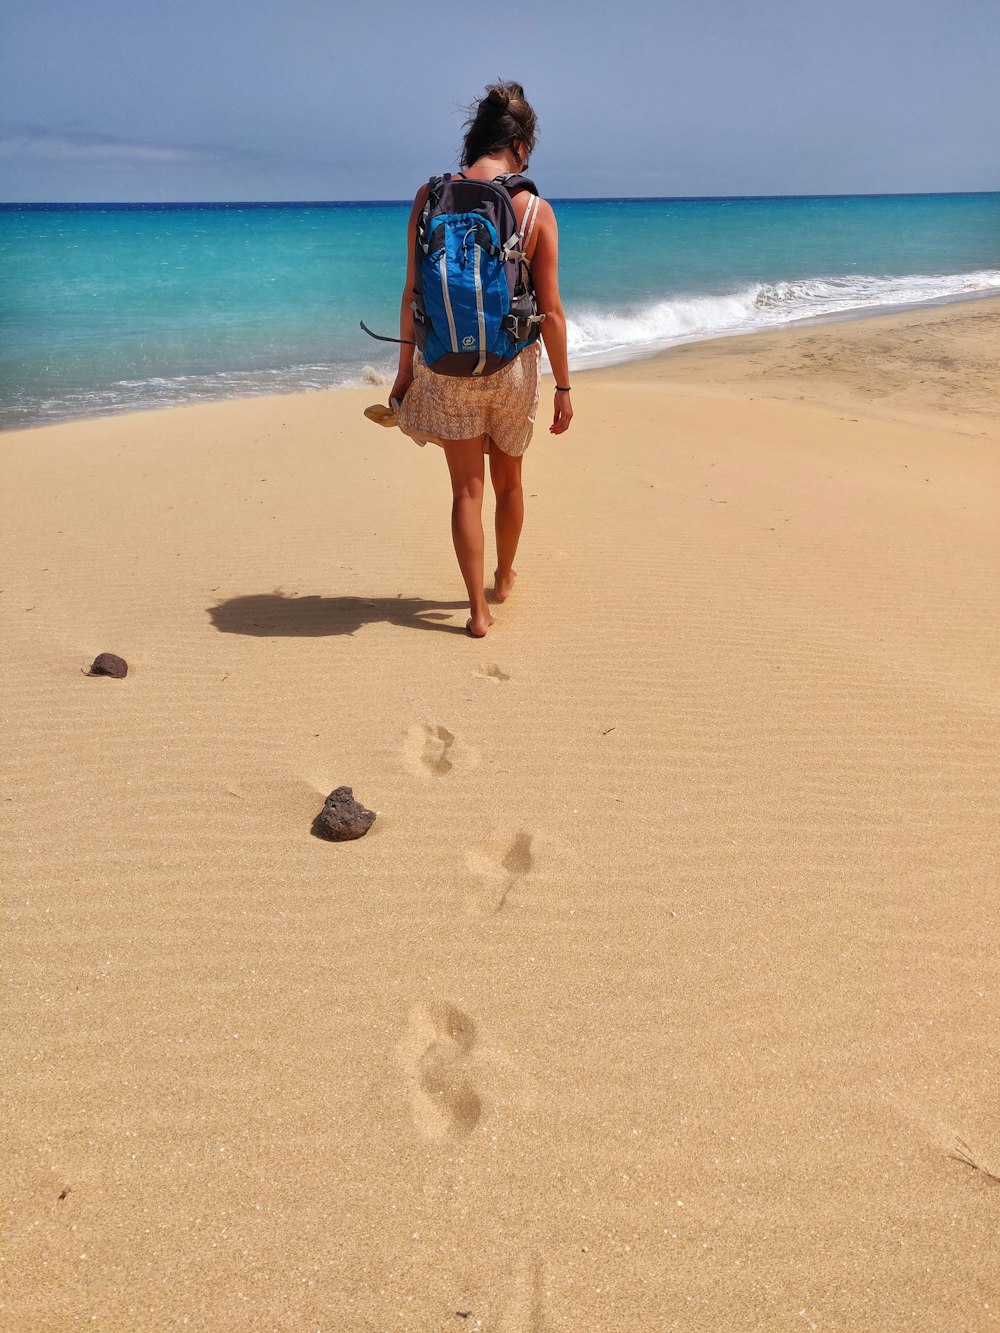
<point x="465" y="463"/>
<point x="505" y="473"/>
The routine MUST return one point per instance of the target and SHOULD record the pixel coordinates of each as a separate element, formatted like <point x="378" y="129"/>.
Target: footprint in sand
<point x="492" y="672"/>
<point x="434" y="751"/>
<point x="436" y="1054"/>
<point x="496" y="878"/>
<point x="522" y="1309"/>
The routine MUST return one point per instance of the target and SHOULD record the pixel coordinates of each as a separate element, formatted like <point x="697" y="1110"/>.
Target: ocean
<point x="110" y="308"/>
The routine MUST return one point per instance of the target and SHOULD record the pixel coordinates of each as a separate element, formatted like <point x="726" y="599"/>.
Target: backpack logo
<point x="469" y="341"/>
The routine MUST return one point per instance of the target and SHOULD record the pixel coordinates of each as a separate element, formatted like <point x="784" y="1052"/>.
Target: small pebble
<point x="342" y="818"/>
<point x="108" y="664"/>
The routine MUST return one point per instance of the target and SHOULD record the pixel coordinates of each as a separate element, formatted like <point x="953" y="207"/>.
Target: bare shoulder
<point x="546" y="213"/>
<point x="546" y="233"/>
<point x="543" y="214"/>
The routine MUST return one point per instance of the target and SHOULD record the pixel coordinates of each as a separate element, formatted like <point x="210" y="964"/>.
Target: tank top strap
<point x="528" y="222"/>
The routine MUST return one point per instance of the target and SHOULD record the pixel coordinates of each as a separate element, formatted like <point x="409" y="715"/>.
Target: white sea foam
<point x="178" y="390"/>
<point x="598" y="337"/>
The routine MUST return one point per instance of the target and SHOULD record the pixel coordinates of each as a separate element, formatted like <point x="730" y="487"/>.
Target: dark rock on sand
<point x="342" y="818"/>
<point x="107" y="664"/>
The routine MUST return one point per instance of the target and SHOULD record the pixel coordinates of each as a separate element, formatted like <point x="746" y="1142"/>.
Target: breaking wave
<point x="601" y="337"/>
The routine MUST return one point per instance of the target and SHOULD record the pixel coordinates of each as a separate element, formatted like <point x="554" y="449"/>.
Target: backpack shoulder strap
<point x="514" y="183"/>
<point x="434" y="187"/>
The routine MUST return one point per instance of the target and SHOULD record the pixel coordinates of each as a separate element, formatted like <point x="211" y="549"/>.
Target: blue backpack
<point x="474" y="305"/>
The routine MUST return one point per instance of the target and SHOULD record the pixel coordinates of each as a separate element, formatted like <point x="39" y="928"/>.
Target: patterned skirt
<point x="499" y="407"/>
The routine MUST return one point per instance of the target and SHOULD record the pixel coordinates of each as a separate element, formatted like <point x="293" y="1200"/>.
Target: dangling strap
<point x="381" y="337"/>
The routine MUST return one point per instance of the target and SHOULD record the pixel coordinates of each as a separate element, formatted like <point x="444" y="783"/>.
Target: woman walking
<point x="472" y="417"/>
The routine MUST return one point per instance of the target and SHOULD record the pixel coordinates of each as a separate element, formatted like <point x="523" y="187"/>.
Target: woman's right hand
<point x="403" y="380"/>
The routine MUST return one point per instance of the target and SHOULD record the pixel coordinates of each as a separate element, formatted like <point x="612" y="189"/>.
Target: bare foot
<point x="502" y="587"/>
<point x="478" y="626"/>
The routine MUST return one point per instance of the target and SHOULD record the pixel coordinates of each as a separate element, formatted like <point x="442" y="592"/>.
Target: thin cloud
<point x="34" y="142"/>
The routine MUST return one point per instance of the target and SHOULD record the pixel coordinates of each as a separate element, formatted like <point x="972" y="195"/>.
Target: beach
<point x="663" y="992"/>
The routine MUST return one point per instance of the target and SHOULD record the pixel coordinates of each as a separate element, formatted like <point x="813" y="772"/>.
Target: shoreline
<point x="600" y="363"/>
<point x="935" y="366"/>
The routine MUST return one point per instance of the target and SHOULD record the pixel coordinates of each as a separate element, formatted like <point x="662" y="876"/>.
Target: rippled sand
<point x="662" y="993"/>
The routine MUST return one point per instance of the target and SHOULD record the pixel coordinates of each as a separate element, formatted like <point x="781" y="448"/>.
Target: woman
<point x="494" y="415"/>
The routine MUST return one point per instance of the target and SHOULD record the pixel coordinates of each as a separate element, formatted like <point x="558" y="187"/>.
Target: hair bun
<point x="497" y="120"/>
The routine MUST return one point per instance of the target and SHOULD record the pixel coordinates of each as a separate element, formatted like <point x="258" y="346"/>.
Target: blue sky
<point x="256" y="99"/>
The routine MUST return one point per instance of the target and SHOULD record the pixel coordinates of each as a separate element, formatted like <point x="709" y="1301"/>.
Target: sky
<point x="121" y="100"/>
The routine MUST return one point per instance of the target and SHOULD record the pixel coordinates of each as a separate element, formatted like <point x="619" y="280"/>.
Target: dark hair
<point x="497" y="120"/>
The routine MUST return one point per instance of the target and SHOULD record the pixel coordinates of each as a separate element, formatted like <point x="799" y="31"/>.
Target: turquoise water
<point x="105" y="308"/>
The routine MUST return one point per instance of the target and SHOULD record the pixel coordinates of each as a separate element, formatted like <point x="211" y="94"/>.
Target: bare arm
<point x="545" y="274"/>
<point x="404" y="372"/>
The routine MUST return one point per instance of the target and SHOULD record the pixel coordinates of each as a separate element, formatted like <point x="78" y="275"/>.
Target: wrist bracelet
<point x="560" y="389"/>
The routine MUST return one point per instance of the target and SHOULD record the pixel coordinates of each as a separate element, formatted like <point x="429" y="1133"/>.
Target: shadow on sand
<point x="273" y="615"/>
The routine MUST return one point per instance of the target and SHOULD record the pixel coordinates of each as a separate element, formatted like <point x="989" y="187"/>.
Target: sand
<point x="663" y="993"/>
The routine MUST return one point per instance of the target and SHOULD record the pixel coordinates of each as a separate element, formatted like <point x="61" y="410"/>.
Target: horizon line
<point x="395" y="203"/>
